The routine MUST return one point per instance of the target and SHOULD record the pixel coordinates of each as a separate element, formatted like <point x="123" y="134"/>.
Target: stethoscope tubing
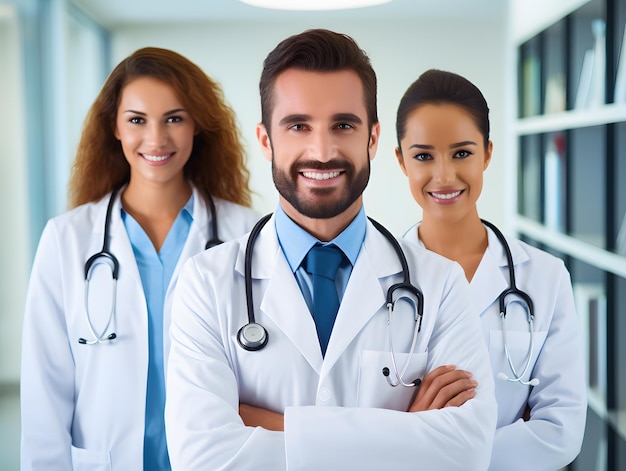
<point x="106" y="254"/>
<point x="254" y="337"/>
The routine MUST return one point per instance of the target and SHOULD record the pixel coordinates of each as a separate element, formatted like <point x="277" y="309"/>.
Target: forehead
<point x="148" y="91"/>
<point x="447" y="118"/>
<point x="318" y="94"/>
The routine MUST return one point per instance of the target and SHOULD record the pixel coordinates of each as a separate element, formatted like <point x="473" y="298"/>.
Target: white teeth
<point x="320" y="176"/>
<point x="446" y="196"/>
<point x="156" y="158"/>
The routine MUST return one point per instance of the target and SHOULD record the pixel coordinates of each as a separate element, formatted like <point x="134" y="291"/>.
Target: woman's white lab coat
<point x="340" y="413"/>
<point x="558" y="404"/>
<point x="83" y="406"/>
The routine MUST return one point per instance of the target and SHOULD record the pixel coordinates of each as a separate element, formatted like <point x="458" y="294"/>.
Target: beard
<point x="324" y="203"/>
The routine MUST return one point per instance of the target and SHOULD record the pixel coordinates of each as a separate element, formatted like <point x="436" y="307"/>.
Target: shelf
<point x="607" y="114"/>
<point x="588" y="253"/>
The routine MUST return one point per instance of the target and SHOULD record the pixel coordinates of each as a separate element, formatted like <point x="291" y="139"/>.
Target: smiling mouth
<point x="157" y="158"/>
<point x="321" y="175"/>
<point x="446" y="196"/>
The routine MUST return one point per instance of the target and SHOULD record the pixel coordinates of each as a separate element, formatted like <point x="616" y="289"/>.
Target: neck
<point x="462" y="240"/>
<point x="156" y="200"/>
<point x="325" y="229"/>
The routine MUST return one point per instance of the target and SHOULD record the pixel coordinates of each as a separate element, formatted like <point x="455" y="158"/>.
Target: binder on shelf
<point x="554" y="184"/>
<point x="531" y="98"/>
<point x="620" y="78"/>
<point x="555" y="94"/>
<point x="597" y="94"/>
<point x="591" y="306"/>
<point x="620" y="246"/>
<point x="584" y="82"/>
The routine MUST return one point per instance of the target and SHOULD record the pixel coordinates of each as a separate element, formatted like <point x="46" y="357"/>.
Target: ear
<point x="264" y="140"/>
<point x="373" y="142"/>
<point x="116" y="133"/>
<point x="488" y="155"/>
<point x="400" y="159"/>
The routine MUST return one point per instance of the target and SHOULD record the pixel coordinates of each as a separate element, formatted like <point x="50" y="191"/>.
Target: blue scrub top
<point x="156" y="271"/>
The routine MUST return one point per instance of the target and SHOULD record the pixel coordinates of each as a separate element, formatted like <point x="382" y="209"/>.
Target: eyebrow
<point x="167" y="113"/>
<point x="453" y="146"/>
<point x="299" y="118"/>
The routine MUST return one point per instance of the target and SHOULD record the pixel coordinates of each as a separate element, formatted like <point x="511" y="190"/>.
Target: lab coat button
<point x="324" y="395"/>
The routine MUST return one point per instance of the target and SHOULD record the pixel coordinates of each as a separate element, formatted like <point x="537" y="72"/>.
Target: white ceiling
<point x="112" y="13"/>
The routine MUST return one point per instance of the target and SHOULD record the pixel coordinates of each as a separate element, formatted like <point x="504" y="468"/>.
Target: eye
<point x="136" y="120"/>
<point x="423" y="157"/>
<point x="345" y="126"/>
<point x="297" y="127"/>
<point x="462" y="154"/>
<point x="174" y="119"/>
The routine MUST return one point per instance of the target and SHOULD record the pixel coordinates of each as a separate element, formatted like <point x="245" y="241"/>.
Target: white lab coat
<point x="552" y="437"/>
<point x="340" y="413"/>
<point x="83" y="406"/>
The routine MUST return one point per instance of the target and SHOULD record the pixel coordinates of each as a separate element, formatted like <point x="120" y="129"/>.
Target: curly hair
<point x="217" y="163"/>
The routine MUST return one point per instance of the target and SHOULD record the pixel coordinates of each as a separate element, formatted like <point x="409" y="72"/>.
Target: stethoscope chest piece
<point x="252" y="337"/>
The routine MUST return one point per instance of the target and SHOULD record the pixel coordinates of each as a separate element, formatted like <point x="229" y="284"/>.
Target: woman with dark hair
<point x="159" y="171"/>
<point x="536" y="350"/>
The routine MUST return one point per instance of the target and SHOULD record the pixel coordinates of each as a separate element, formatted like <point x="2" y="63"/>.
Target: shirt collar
<point x="296" y="242"/>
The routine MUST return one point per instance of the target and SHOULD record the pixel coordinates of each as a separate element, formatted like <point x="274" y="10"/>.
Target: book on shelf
<point x="584" y="82"/>
<point x="555" y="94"/>
<point x="597" y="92"/>
<point x="591" y="85"/>
<point x="590" y="302"/>
<point x="531" y="98"/>
<point x="554" y="183"/>
<point x="620" y="78"/>
<point x="620" y="246"/>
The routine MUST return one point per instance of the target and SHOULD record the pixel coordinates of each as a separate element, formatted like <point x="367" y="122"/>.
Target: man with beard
<point x="264" y="372"/>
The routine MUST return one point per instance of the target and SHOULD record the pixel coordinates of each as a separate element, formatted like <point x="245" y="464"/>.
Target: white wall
<point x="14" y="235"/>
<point x="233" y="53"/>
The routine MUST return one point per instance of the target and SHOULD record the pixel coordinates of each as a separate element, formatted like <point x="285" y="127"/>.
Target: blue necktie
<point x="322" y="263"/>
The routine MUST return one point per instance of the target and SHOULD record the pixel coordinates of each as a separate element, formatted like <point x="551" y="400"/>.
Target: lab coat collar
<point x="284" y="304"/>
<point x="486" y="285"/>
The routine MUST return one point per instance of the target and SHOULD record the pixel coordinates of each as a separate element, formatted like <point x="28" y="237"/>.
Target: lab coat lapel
<point x="197" y="237"/>
<point x="492" y="276"/>
<point x="364" y="295"/>
<point x="282" y="300"/>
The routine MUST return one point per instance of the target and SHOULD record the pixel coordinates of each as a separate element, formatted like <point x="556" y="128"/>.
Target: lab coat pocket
<point x="90" y="460"/>
<point x="375" y="391"/>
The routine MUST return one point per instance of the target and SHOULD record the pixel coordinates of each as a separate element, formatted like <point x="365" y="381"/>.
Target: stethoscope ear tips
<point x="252" y="337"/>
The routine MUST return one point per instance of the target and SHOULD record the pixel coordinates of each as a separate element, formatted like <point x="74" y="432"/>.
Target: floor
<point x="9" y="427"/>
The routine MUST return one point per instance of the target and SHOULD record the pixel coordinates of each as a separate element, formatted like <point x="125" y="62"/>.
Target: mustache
<point x="335" y="164"/>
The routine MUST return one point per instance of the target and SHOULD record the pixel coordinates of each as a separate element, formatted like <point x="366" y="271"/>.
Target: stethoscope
<point x="253" y="336"/>
<point x="527" y="304"/>
<point x="105" y="255"/>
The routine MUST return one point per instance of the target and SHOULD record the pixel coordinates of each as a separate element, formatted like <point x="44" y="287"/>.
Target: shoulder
<point x="82" y="218"/>
<point x="534" y="258"/>
<point x="235" y="216"/>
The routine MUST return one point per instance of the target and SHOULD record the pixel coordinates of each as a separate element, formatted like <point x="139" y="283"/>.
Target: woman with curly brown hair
<point x="159" y="171"/>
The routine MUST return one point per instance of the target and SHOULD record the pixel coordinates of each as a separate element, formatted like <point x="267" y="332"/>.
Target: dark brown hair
<point x="217" y="162"/>
<point x="318" y="50"/>
<point x="439" y="87"/>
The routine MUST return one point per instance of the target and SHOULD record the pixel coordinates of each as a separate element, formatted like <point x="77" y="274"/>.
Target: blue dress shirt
<point x="156" y="271"/>
<point x="296" y="243"/>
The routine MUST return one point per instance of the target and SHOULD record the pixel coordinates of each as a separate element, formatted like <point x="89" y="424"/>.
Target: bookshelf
<point x="570" y="132"/>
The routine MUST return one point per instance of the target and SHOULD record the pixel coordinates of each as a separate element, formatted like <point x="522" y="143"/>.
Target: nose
<point x="322" y="146"/>
<point x="444" y="173"/>
<point x="156" y="134"/>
